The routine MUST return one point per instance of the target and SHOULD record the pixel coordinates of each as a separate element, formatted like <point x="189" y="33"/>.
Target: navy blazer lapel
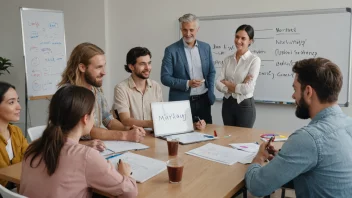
<point x="182" y="53"/>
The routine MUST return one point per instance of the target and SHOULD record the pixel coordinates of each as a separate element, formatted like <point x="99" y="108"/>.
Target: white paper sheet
<point x="248" y="159"/>
<point x="143" y="168"/>
<point x="217" y="153"/>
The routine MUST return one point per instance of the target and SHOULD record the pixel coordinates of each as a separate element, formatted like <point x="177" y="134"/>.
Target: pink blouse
<point x="80" y="169"/>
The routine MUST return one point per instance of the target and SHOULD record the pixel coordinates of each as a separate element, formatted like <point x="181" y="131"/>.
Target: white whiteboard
<point x="280" y="40"/>
<point x="44" y="50"/>
<point x="172" y="117"/>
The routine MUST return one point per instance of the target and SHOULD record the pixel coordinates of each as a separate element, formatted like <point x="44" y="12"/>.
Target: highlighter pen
<point x="208" y="136"/>
<point x="112" y="156"/>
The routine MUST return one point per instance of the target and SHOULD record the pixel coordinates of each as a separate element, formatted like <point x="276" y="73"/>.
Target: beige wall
<point x="153" y="24"/>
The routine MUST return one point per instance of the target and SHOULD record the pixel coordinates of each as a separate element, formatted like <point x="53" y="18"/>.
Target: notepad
<point x="143" y="168"/>
<point x="217" y="153"/>
<point x="112" y="147"/>
<point x="193" y="137"/>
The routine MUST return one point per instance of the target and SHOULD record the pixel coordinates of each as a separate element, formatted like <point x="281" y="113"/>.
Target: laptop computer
<point x="174" y="120"/>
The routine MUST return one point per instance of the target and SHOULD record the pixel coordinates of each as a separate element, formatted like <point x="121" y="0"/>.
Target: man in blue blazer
<point x="188" y="69"/>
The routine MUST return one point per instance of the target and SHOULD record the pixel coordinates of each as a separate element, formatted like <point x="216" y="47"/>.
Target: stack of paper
<point x="112" y="147"/>
<point x="217" y="153"/>
<point x="143" y="168"/>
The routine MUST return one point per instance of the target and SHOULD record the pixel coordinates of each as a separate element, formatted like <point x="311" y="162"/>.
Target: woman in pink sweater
<point x="56" y="165"/>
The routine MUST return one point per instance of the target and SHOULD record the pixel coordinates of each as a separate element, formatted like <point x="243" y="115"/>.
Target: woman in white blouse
<point x="237" y="81"/>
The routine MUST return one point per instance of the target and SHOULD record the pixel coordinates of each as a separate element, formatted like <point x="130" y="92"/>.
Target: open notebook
<point x="113" y="147"/>
<point x="174" y="120"/>
<point x="143" y="168"/>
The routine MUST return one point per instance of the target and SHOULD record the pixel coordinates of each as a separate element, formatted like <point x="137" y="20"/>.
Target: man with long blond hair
<point x="86" y="68"/>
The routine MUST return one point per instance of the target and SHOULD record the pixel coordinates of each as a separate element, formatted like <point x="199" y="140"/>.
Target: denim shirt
<point x="317" y="157"/>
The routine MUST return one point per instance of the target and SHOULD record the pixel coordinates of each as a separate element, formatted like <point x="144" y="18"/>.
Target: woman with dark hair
<point x="237" y="81"/>
<point x="12" y="142"/>
<point x="60" y="165"/>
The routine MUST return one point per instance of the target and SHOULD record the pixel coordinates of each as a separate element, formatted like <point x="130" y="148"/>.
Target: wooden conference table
<point x="201" y="178"/>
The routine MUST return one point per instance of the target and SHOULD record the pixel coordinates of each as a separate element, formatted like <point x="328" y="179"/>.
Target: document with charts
<point x="217" y="153"/>
<point x="143" y="168"/>
<point x="112" y="147"/>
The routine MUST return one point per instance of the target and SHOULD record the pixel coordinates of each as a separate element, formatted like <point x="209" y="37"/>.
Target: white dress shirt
<point x="9" y="148"/>
<point x="195" y="68"/>
<point x="236" y="72"/>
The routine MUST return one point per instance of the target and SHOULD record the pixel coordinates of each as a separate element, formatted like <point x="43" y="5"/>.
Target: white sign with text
<point x="172" y="117"/>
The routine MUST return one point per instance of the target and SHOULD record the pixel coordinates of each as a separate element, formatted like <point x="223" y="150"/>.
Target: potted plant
<point x="4" y="65"/>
